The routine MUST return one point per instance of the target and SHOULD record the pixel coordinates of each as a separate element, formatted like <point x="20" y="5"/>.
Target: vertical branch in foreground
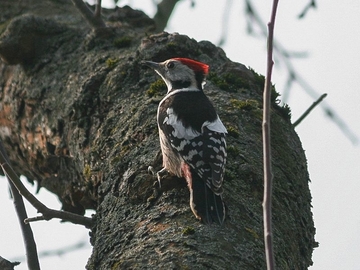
<point x="269" y="251"/>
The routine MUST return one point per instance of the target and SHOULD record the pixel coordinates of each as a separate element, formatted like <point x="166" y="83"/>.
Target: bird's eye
<point x="170" y="65"/>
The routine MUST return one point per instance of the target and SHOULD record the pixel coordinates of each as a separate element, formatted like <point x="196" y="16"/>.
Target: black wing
<point x="205" y="153"/>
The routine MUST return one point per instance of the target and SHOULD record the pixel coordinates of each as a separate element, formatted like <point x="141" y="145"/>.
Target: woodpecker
<point x="192" y="136"/>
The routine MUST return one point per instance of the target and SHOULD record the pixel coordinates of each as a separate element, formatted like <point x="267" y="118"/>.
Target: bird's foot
<point x="160" y="174"/>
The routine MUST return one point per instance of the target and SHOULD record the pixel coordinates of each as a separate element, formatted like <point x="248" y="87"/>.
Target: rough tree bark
<point x="77" y="114"/>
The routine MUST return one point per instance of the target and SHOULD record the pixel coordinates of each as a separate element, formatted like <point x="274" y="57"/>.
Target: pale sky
<point x="331" y="37"/>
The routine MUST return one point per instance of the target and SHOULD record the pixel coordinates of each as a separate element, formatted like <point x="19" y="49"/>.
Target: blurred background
<point x="317" y="51"/>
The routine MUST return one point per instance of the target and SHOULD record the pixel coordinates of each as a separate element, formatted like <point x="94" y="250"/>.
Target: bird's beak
<point x="152" y="65"/>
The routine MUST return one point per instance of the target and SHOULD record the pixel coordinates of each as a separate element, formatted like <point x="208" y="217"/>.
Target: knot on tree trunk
<point x="25" y="38"/>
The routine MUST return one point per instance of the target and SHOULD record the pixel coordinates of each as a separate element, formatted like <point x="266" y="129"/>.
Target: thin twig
<point x="225" y="23"/>
<point x="46" y="212"/>
<point x="33" y="219"/>
<point x="28" y="236"/>
<point x="268" y="176"/>
<point x="94" y="20"/>
<point x="309" y="109"/>
<point x="311" y="4"/>
<point x="57" y="252"/>
<point x="283" y="53"/>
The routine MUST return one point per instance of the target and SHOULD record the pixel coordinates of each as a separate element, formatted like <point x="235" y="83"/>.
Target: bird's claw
<point x="160" y="174"/>
<point x="151" y="170"/>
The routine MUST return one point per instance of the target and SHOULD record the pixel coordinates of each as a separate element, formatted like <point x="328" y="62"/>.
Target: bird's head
<point x="179" y="73"/>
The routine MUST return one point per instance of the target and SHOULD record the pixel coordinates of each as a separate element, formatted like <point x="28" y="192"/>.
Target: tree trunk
<point x="78" y="115"/>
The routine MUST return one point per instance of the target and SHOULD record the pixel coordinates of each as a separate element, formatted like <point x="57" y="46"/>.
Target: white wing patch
<point x="216" y="126"/>
<point x="179" y="130"/>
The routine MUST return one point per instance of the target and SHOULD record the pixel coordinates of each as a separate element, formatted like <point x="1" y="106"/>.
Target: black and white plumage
<point x="192" y="136"/>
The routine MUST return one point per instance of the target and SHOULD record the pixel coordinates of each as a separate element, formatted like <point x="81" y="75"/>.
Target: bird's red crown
<point x="194" y="65"/>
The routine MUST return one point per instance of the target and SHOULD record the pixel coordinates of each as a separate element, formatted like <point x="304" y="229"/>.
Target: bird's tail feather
<point x="205" y="203"/>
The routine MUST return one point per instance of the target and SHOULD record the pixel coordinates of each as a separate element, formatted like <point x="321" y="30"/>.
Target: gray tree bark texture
<point x="78" y="116"/>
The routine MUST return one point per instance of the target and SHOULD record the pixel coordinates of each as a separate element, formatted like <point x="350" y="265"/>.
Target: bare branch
<point x="287" y="87"/>
<point x="38" y="218"/>
<point x="309" y="109"/>
<point x="6" y="265"/>
<point x="47" y="212"/>
<point x="311" y="4"/>
<point x="282" y="53"/>
<point x="58" y="251"/>
<point x="63" y="250"/>
<point x="164" y="10"/>
<point x="268" y="176"/>
<point x="94" y="20"/>
<point x="225" y="22"/>
<point x="97" y="13"/>
<point x="28" y="236"/>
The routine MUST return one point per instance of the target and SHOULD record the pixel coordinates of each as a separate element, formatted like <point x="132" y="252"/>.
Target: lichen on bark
<point x="76" y="116"/>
